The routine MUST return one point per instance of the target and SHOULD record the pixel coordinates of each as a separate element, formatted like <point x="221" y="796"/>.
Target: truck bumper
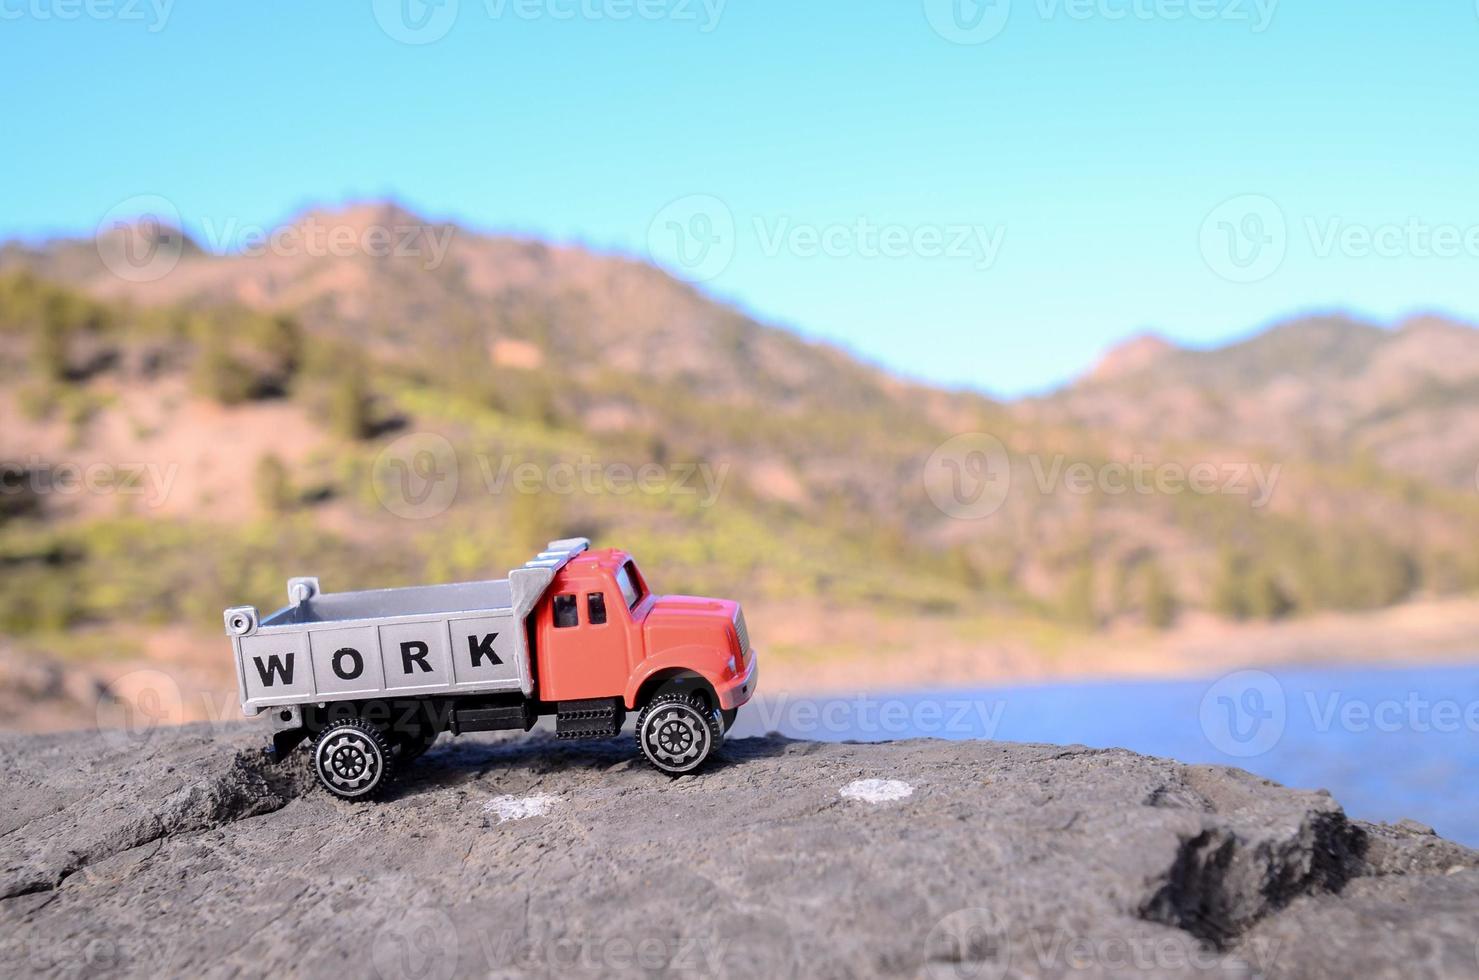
<point x="739" y="690"/>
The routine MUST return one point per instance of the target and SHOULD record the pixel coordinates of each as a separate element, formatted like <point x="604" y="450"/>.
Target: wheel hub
<point x="349" y="761"/>
<point x="676" y="736"/>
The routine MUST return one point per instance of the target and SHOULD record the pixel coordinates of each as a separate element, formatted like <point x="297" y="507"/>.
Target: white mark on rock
<point x="520" y="807"/>
<point x="877" y="790"/>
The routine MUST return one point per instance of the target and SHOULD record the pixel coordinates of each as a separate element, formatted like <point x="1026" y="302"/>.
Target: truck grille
<point x="744" y="634"/>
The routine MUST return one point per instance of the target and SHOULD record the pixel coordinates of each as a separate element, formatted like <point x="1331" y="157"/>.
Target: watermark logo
<point x="1245" y="238"/>
<point x="967" y="21"/>
<point x="1146" y="477"/>
<point x="139" y="239"/>
<point x="137" y="704"/>
<point x="704" y="13"/>
<point x="864" y="717"/>
<point x="1257" y="14"/>
<point x="153" y="14"/>
<point x="415" y="21"/>
<point x="316" y="238"/>
<point x="151" y="482"/>
<point x="1244" y="713"/>
<point x="590" y="477"/>
<point x="1413" y="238"/>
<point x="416" y="477"/>
<point x="693" y="237"/>
<point x="969" y="944"/>
<point x="969" y="475"/>
<point x="696" y="238"/>
<point x="420" y="944"/>
<point x="863" y="238"/>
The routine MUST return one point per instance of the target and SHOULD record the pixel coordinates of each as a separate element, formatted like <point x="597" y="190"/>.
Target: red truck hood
<point x="668" y="606"/>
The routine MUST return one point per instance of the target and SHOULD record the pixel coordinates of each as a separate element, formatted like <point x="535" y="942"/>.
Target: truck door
<point x="583" y="643"/>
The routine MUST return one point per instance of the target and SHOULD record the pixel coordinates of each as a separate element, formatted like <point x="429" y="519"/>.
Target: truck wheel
<point x="413" y="745"/>
<point x="352" y="759"/>
<point x="677" y="732"/>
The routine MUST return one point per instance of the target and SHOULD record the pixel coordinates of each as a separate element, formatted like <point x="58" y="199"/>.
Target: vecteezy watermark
<point x="37" y="477"/>
<point x="693" y="237"/>
<point x="974" y="944"/>
<point x="415" y="21"/>
<point x="969" y="476"/>
<point x="968" y="944"/>
<point x="591" y="477"/>
<point x="139" y="238"/>
<point x="153" y="14"/>
<point x="136" y="705"/>
<point x="696" y="237"/>
<point x="1143" y="476"/>
<point x="1246" y="713"/>
<point x="865" y="717"/>
<point x="607" y="955"/>
<point x="1411" y="238"/>
<point x="314" y="237"/>
<point x="702" y="14"/>
<point x="1246" y="239"/>
<point x="426" y="21"/>
<point x="86" y="955"/>
<point x="418" y="476"/>
<point x="421" y="943"/>
<point x="967" y="21"/>
<point x="978" y="21"/>
<point x="425" y="944"/>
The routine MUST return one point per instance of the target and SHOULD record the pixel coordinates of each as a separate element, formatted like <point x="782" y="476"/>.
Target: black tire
<point x="353" y="759"/>
<point x="727" y="716"/>
<point x="413" y="744"/>
<point x="677" y="732"/>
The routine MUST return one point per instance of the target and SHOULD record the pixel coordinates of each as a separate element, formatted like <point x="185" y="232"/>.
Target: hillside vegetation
<point x="292" y="396"/>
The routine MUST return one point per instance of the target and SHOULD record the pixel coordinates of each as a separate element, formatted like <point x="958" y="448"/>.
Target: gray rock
<point x="183" y="851"/>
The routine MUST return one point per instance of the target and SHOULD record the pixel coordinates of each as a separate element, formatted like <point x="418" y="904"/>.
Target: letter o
<point x="353" y="654"/>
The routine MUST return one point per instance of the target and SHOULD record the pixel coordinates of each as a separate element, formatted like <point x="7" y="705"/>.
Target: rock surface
<point x="183" y="852"/>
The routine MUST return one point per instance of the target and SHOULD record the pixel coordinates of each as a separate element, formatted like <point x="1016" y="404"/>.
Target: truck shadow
<point x="523" y="759"/>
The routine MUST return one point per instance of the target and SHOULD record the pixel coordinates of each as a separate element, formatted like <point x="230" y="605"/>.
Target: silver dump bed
<point x="464" y="638"/>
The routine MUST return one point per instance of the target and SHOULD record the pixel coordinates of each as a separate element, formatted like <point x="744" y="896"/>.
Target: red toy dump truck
<point x="374" y="677"/>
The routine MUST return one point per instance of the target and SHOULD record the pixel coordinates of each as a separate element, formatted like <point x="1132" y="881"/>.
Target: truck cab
<point x="600" y="632"/>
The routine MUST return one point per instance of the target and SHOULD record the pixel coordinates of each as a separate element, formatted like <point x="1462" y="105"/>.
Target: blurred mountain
<point x="276" y="378"/>
<point x="1326" y="388"/>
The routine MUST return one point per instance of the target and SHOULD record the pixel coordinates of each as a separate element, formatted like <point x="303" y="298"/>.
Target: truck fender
<point x="695" y="658"/>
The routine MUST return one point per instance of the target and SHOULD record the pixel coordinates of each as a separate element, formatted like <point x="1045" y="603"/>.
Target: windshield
<point x="630" y="584"/>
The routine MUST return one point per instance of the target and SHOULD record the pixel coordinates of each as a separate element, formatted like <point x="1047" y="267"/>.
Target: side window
<point x="565" y="612"/>
<point x="595" y="608"/>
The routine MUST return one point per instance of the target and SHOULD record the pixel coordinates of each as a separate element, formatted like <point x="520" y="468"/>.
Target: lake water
<point x="1387" y="743"/>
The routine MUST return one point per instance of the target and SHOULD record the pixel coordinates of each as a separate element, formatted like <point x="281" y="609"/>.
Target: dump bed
<point x="462" y="638"/>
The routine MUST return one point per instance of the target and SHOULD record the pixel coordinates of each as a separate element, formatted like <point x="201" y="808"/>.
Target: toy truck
<point x="372" y="678"/>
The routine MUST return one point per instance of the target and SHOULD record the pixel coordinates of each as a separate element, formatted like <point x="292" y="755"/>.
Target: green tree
<point x="273" y="485"/>
<point x="51" y="353"/>
<point x="1247" y="589"/>
<point x="1077" y="600"/>
<point x="220" y="376"/>
<point x="1157" y="598"/>
<point x="349" y="405"/>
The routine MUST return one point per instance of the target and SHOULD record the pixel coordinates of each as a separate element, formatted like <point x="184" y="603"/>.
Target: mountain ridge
<point x="507" y="346"/>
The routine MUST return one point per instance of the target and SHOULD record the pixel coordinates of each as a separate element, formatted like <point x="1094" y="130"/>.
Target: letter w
<point x="275" y="666"/>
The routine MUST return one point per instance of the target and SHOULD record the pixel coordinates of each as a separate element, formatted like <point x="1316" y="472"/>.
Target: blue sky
<point x="1048" y="190"/>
